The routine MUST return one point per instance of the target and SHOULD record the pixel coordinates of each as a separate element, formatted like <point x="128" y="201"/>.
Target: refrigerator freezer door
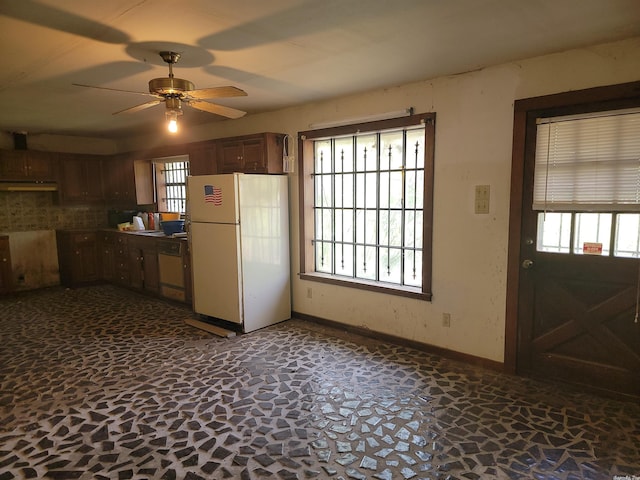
<point x="217" y="280"/>
<point x="213" y="198"/>
<point x="264" y="227"/>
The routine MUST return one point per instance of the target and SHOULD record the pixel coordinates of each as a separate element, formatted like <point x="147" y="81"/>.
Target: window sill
<point x="385" y="288"/>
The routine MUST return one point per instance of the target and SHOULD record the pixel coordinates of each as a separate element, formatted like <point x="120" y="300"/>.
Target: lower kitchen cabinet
<point x="78" y="257"/>
<point x="6" y="274"/>
<point x="188" y="281"/>
<point x="125" y="259"/>
<point x="118" y="263"/>
<point x="143" y="264"/>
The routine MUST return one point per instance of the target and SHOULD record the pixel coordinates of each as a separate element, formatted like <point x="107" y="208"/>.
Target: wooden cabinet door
<point x="26" y="165"/>
<point x="85" y="265"/>
<point x="6" y="274"/>
<point x="136" y="278"/>
<point x="93" y="180"/>
<point x="144" y="182"/>
<point x="151" y="270"/>
<point x="186" y="265"/>
<point x="121" y="259"/>
<point x="230" y="157"/>
<point x="259" y="153"/>
<point x="81" y="181"/>
<point x="40" y="165"/>
<point x="253" y="160"/>
<point x="202" y="160"/>
<point x="77" y="257"/>
<point x="73" y="180"/>
<point x="107" y="252"/>
<point x="119" y="180"/>
<point x="13" y="164"/>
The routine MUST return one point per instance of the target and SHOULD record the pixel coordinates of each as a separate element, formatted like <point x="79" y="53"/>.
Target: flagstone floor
<point x="102" y="383"/>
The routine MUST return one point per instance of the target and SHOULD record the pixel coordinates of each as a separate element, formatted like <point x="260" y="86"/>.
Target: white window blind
<point x="588" y="163"/>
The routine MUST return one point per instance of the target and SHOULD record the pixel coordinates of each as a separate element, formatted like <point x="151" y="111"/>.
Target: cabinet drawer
<point x="81" y="238"/>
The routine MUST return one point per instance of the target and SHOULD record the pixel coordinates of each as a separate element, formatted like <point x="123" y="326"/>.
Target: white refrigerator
<point x="239" y="239"/>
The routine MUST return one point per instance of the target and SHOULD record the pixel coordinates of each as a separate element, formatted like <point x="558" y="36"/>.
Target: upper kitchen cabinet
<point x="26" y="165"/>
<point x="202" y="158"/>
<point x="260" y="153"/>
<point x="81" y="179"/>
<point x="119" y="180"/>
<point x="144" y="181"/>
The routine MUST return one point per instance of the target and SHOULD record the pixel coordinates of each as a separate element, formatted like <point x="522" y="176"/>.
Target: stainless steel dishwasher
<point x="171" y="269"/>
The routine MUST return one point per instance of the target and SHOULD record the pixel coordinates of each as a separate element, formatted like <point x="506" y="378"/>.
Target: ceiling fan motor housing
<point x="170" y="86"/>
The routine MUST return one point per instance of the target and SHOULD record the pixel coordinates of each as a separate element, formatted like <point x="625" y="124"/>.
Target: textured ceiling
<point x="281" y="52"/>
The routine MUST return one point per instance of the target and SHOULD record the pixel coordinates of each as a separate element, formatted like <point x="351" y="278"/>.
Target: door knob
<point x="527" y="263"/>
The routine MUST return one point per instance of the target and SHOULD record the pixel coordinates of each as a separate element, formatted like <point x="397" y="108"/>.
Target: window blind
<point x="588" y="163"/>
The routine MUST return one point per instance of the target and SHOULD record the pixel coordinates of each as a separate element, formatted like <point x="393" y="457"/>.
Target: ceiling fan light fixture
<point x="172" y="121"/>
<point x="174" y="110"/>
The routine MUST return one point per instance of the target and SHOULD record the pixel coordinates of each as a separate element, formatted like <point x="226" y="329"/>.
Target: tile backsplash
<point x="28" y="211"/>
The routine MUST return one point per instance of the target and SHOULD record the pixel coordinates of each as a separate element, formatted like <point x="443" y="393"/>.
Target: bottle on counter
<point x="152" y="224"/>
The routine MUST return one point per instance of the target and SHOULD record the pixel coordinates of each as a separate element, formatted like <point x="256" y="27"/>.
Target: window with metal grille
<point x="371" y="204"/>
<point x="171" y="183"/>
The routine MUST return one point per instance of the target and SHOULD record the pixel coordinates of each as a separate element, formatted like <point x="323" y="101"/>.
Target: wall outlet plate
<point x="483" y="193"/>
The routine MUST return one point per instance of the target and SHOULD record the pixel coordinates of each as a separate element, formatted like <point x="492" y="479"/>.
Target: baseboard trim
<point x="424" y="347"/>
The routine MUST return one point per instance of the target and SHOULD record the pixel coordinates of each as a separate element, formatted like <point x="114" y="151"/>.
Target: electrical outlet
<point x="483" y="193"/>
<point x="309" y="292"/>
<point x="446" y="319"/>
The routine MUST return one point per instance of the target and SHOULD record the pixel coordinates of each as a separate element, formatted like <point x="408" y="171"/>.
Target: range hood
<point x="28" y="186"/>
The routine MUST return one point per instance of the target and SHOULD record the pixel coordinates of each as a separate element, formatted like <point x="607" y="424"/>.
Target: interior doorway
<point x="571" y="314"/>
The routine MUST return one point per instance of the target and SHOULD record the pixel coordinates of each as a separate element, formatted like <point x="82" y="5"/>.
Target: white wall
<point x="473" y="147"/>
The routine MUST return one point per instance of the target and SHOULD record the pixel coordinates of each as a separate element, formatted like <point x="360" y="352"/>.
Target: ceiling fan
<point x="176" y="91"/>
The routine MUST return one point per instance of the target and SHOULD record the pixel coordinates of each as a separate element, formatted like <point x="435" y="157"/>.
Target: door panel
<point x="203" y="207"/>
<point x="575" y="313"/>
<point x="580" y="327"/>
<point x="217" y="280"/>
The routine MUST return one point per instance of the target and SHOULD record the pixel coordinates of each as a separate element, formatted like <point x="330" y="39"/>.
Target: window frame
<point x="160" y="183"/>
<point x="306" y="205"/>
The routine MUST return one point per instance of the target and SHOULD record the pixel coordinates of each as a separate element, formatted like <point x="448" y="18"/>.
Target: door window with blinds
<point x="171" y="183"/>
<point x="587" y="184"/>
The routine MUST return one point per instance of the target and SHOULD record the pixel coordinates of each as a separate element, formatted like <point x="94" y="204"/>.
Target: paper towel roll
<point x="137" y="223"/>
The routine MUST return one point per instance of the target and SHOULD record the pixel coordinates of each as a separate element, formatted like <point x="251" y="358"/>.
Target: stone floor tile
<point x="92" y="388"/>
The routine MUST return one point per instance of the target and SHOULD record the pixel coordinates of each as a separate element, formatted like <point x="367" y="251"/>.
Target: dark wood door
<point x="576" y="313"/>
<point x="577" y="321"/>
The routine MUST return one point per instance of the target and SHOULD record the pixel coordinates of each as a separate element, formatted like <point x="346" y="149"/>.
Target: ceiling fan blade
<point x="217" y="109"/>
<point x="113" y="89"/>
<point x="216" y="92"/>
<point x="137" y="108"/>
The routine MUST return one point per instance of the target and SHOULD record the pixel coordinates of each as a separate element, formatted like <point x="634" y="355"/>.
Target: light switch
<point x="483" y="193"/>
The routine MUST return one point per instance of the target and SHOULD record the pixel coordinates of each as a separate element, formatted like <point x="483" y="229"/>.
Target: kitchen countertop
<point x="148" y="233"/>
